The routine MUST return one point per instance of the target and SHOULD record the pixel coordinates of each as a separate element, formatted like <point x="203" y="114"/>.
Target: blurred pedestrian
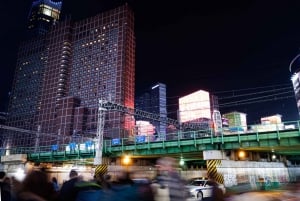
<point x="35" y="187"/>
<point x="143" y="184"/>
<point x="68" y="191"/>
<point x="168" y="185"/>
<point x="103" y="180"/>
<point x="123" y="188"/>
<point x="5" y="187"/>
<point x="55" y="184"/>
<point x="88" y="191"/>
<point x="217" y="192"/>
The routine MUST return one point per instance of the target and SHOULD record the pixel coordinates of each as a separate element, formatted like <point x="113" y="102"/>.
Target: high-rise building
<point x="153" y="100"/>
<point x="295" y="71"/>
<point x="61" y="75"/>
<point x="43" y="14"/>
<point x="30" y="67"/>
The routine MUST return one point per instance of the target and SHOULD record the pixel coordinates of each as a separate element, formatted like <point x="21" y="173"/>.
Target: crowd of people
<point x="166" y="186"/>
<point x="36" y="186"/>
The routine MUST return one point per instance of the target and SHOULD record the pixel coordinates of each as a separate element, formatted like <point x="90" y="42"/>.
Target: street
<point x="257" y="196"/>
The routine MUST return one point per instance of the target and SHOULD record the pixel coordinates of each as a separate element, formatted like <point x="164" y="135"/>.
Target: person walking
<point x="168" y="184"/>
<point x="123" y="188"/>
<point x="68" y="190"/>
<point x="55" y="184"/>
<point x="217" y="192"/>
<point x="5" y="187"/>
<point x="35" y="187"/>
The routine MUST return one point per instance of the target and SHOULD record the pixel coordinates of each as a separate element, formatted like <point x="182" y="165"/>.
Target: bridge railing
<point x="142" y="139"/>
<point x="256" y="129"/>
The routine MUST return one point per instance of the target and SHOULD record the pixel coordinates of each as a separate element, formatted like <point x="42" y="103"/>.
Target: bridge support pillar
<point x="213" y="161"/>
<point x="212" y="170"/>
<point x="100" y="170"/>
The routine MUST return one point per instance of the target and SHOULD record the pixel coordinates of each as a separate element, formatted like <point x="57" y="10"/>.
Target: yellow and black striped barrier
<point x="212" y="170"/>
<point x="101" y="170"/>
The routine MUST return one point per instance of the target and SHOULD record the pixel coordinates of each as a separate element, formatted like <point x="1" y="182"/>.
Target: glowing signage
<point x="194" y="106"/>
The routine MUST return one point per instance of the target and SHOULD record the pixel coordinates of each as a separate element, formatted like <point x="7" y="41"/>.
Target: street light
<point x="126" y="161"/>
<point x="241" y="154"/>
<point x="181" y="162"/>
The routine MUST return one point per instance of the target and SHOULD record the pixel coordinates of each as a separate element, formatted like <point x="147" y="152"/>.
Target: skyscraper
<point x="43" y="14"/>
<point x="153" y="100"/>
<point x="295" y="71"/>
<point x="62" y="74"/>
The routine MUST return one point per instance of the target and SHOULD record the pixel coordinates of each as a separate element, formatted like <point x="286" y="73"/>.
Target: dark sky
<point x="244" y="47"/>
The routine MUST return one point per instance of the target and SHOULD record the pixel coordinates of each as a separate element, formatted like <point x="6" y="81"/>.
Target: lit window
<point x="46" y="11"/>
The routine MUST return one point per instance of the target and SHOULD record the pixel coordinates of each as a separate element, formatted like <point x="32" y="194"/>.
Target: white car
<point x="200" y="188"/>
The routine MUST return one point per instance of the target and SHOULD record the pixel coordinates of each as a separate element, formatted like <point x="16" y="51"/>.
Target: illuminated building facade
<point x="30" y="67"/>
<point x="194" y="106"/>
<point x="43" y="14"/>
<point x="295" y="71"/>
<point x="61" y="76"/>
<point x="153" y="100"/>
<point x="274" y="119"/>
<point x="237" y="121"/>
<point x="197" y="106"/>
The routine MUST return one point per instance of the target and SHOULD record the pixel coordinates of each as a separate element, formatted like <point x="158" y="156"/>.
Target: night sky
<point x="230" y="48"/>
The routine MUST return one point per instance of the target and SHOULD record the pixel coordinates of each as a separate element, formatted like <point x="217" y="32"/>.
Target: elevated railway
<point x="185" y="144"/>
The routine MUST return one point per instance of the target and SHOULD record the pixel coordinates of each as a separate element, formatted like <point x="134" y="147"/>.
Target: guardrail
<point x="89" y="146"/>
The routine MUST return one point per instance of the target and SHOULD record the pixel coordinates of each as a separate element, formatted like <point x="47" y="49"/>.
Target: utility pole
<point x="99" y="135"/>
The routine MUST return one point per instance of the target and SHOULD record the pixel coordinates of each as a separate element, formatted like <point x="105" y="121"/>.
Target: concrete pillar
<point x="101" y="169"/>
<point x="212" y="170"/>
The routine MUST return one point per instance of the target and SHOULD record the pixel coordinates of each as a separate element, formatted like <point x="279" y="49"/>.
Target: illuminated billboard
<point x="194" y="106"/>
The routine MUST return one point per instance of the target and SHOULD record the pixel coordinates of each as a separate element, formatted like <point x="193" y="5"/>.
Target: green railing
<point x="285" y="134"/>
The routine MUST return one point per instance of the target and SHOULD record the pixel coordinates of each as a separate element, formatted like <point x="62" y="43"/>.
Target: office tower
<point x="295" y="71"/>
<point x="43" y="14"/>
<point x="61" y="76"/>
<point x="153" y="100"/>
<point x="29" y="72"/>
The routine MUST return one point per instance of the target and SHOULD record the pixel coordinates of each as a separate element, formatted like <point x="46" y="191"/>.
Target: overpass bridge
<point x="280" y="139"/>
<point x="188" y="145"/>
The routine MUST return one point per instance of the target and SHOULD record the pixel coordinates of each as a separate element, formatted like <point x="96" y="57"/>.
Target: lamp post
<point x="126" y="160"/>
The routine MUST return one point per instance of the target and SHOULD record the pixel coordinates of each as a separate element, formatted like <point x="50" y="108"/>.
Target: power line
<point x="256" y="98"/>
<point x="253" y="88"/>
<point x="256" y="93"/>
<point x="258" y="101"/>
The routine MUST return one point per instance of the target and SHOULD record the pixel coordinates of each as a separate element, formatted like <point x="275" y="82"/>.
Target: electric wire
<point x="271" y="96"/>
